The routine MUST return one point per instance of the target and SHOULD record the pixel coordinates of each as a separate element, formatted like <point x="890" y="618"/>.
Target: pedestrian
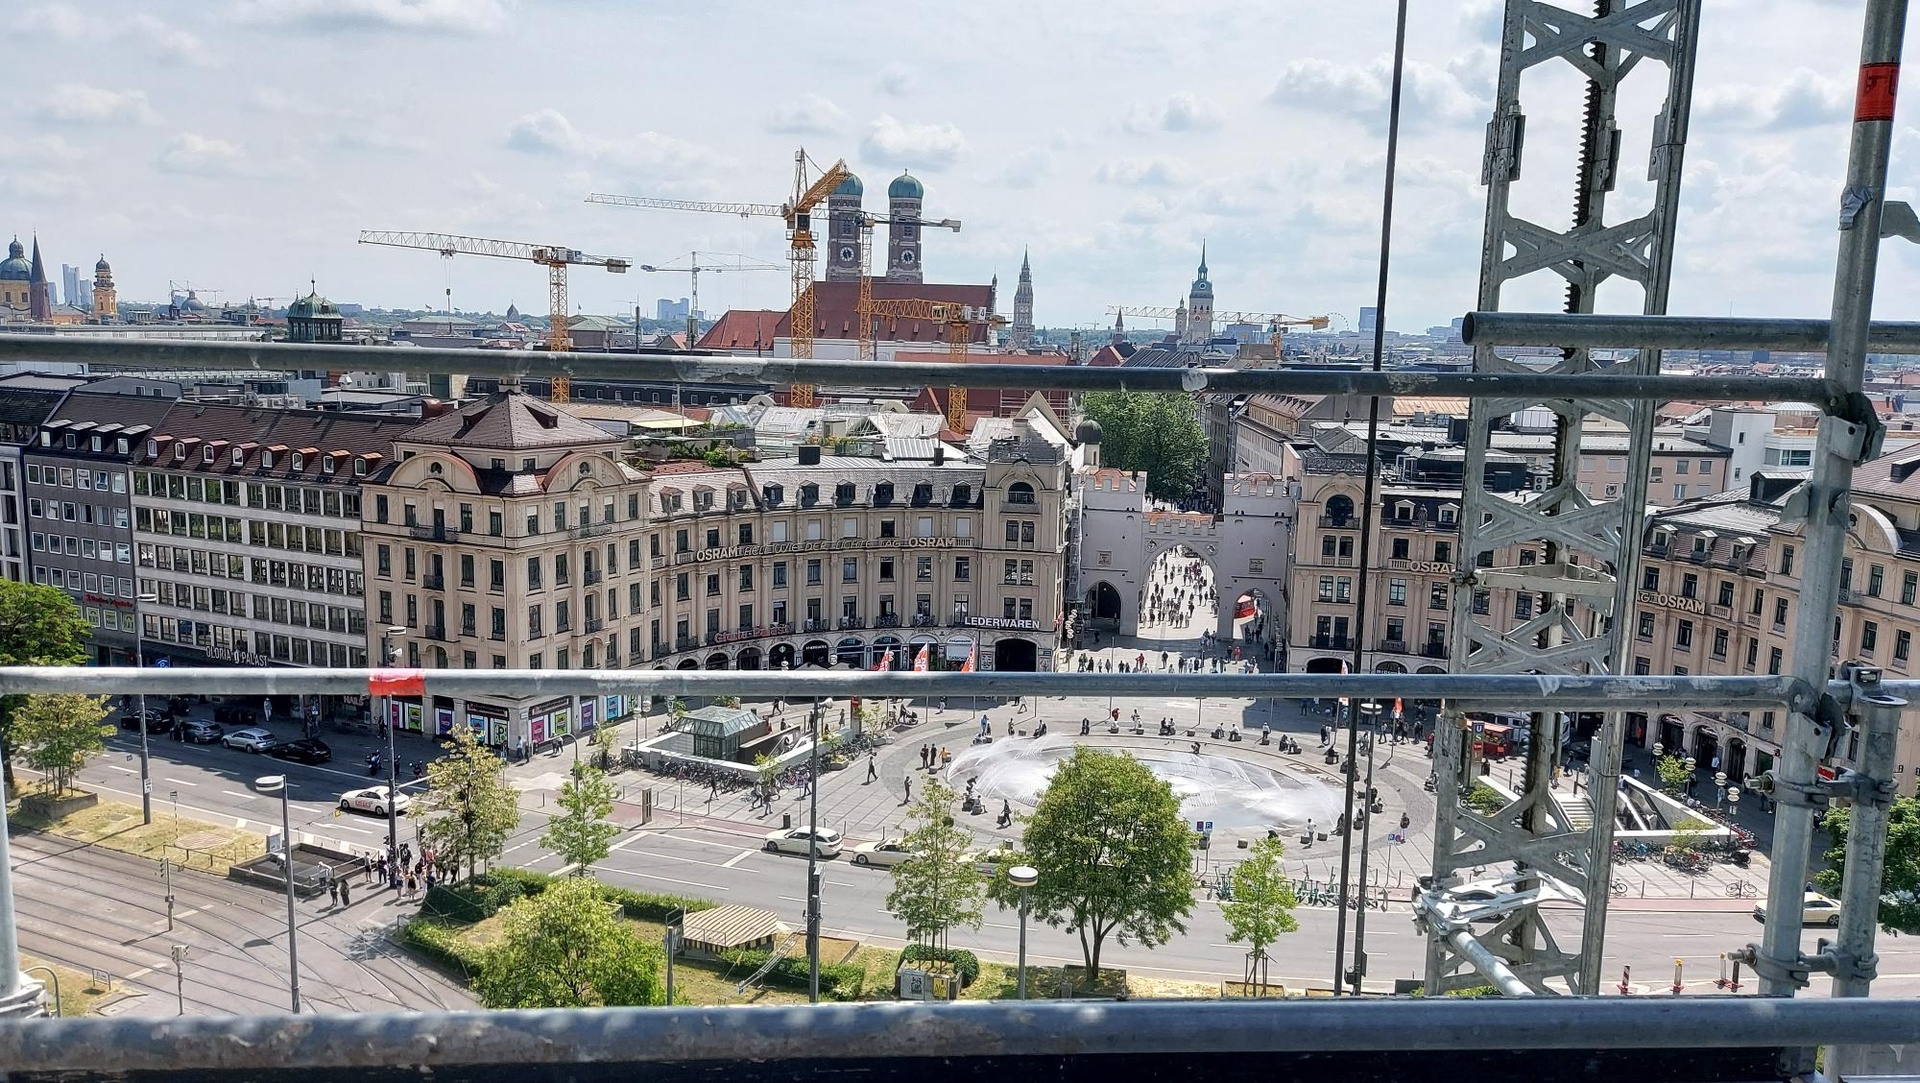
<point x="369" y="872"/>
<point x="333" y="889"/>
<point x="412" y="886"/>
<point x="923" y="757"/>
<point x="346" y="893"/>
<point x="713" y="791"/>
<point x="872" y="772"/>
<point x="907" y="785"/>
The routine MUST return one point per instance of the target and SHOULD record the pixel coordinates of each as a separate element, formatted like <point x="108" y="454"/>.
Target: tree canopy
<point x="1900" y="883"/>
<point x="39" y="626"/>
<point x="937" y="887"/>
<point x="58" y="734"/>
<point x="1263" y="900"/>
<point x="1155" y="432"/>
<point x="567" y="948"/>
<point x="579" y="832"/>
<point x="1112" y="852"/>
<point x="468" y="807"/>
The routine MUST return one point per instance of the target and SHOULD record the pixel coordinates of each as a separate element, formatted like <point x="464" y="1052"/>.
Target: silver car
<point x="825" y="841"/>
<point x="251" y="739"/>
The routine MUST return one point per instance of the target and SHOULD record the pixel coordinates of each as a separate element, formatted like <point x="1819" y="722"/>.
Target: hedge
<point x="838" y="981"/>
<point x="964" y="963"/>
<point x="441" y="943"/>
<point x="483" y="897"/>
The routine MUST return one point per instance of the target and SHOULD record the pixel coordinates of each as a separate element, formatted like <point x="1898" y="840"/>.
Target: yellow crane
<point x="863" y="307"/>
<point x="797" y="212"/>
<point x="1276" y="322"/>
<point x="555" y="258"/>
<point x="960" y="320"/>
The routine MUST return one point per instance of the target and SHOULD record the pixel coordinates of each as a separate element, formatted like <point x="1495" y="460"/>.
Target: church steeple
<point x="1199" y="324"/>
<point x="40" y="302"/>
<point x="1022" y="338"/>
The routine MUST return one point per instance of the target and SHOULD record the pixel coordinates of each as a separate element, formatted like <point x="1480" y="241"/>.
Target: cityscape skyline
<point x="176" y="179"/>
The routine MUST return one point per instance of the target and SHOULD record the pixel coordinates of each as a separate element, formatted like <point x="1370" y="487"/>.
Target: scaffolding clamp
<point x="1796" y="973"/>
<point x="1782" y="791"/>
<point x="1844" y="965"/>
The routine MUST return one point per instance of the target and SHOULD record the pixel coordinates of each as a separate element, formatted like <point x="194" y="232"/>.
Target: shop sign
<point x="1695" y="606"/>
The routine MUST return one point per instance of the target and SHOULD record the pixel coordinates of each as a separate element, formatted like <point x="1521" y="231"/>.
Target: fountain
<point x="1230" y="792"/>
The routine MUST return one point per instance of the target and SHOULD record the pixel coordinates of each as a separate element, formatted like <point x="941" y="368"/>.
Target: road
<point x="95" y="909"/>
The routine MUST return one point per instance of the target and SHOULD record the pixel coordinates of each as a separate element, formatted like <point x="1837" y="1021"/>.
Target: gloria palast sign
<point x="735" y="552"/>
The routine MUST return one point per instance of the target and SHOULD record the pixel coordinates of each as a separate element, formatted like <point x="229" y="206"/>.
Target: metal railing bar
<point x="869" y="1031"/>
<point x="1622" y="331"/>
<point x="136" y="354"/>
<point x="1536" y="691"/>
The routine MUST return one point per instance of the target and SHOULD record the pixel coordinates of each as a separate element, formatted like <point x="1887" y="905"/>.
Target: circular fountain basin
<point x="1230" y="792"/>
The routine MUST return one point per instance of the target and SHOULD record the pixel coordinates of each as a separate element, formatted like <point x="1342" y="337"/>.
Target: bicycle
<point x="1619" y="888"/>
<point x="1740" y="889"/>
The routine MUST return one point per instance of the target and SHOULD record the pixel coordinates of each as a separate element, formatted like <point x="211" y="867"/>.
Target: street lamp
<point x="1023" y="877"/>
<point x="140" y="662"/>
<point x="389" y="655"/>
<point x="1691" y="764"/>
<point x="278" y="784"/>
<point x="1733" y="801"/>
<point x="1659" y="750"/>
<point x="1720" y="788"/>
<point x="820" y="712"/>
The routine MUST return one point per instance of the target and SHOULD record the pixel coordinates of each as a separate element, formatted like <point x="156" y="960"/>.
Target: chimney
<point x="809" y="454"/>
<point x="432" y="408"/>
<point x="939" y="453"/>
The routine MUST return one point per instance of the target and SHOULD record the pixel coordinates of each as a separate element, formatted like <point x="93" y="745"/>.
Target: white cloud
<point x="897" y="81"/>
<point x="1025" y="169"/>
<point x="1803" y="99"/>
<point x="200" y="155"/>
<point x="663" y="159"/>
<point x="448" y="17"/>
<point x="169" y="41"/>
<point x="44" y="150"/>
<point x="79" y="103"/>
<point x="1361" y="91"/>
<point x="1183" y="112"/>
<point x="547" y="131"/>
<point x="60" y="21"/>
<point x="811" y="114"/>
<point x="929" y="147"/>
<point x="1140" y="173"/>
<point x="64" y="23"/>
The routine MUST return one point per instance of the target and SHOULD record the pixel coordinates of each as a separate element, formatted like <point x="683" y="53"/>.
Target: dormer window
<point x="120" y="446"/>
<point x="179" y="453"/>
<point x="206" y="455"/>
<point x="326" y="464"/>
<point x="883" y="494"/>
<point x="359" y="468"/>
<point x="773" y="494"/>
<point x="70" y="442"/>
<point x="266" y="460"/>
<point x="922" y="495"/>
<point x="1449" y="513"/>
<point x="96" y="444"/>
<point x="962" y="495"/>
<point x="809" y="495"/>
<point x="239" y="457"/>
<point x="843" y="493"/>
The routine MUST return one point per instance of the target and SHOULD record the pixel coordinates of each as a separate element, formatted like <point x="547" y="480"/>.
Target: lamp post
<point x="1691" y="765"/>
<point x="140" y="662"/>
<point x="1720" y="789"/>
<point x="1023" y="877"/>
<point x="820" y="711"/>
<point x="1371" y="711"/>
<point x="389" y="655"/>
<point x="1733" y="802"/>
<point x="278" y="784"/>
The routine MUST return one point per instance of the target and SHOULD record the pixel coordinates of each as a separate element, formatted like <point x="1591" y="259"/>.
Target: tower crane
<point x="692" y="269"/>
<point x="1276" y="322"/>
<point x="556" y="259"/>
<point x="797" y="212"/>
<point x="863" y="307"/>
<point x="960" y="321"/>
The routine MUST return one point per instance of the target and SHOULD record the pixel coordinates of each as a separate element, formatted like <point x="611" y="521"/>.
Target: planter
<point x="49" y="807"/>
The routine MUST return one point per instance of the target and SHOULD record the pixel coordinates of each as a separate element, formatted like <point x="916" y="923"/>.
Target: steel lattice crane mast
<point x="863" y="308"/>
<point x="797" y="212"/>
<point x="1277" y="322"/>
<point x="960" y="321"/>
<point x="556" y="259"/>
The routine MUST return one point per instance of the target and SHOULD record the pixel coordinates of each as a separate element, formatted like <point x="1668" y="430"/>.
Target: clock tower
<point x="843" y="231"/>
<point x="904" y="197"/>
<point x="1022" y="338"/>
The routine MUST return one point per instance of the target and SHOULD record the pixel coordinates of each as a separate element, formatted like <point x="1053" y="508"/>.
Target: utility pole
<point x="389" y="656"/>
<point x="180" y="978"/>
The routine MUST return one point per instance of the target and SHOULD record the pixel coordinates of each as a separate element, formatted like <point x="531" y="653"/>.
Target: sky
<point x="241" y="145"/>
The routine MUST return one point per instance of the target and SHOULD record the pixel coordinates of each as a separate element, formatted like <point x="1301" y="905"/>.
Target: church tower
<point x="1200" y="305"/>
<point x="1119" y="328"/>
<point x="904" y="197"/>
<point x="843" y="231"/>
<point x="106" y="303"/>
<point x="1180" y="322"/>
<point x="40" y="305"/>
<point x="1023" y="308"/>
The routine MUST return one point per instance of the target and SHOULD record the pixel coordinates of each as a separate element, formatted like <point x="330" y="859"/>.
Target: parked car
<point x="1816" y="909"/>
<point x="156" y="721"/>
<point x="883" y="853"/>
<point x="989" y="862"/>
<point x="201" y="732"/>
<point x="374" y="799"/>
<point x="825" y="841"/>
<point x="251" y="739"/>
<point x="304" y="750"/>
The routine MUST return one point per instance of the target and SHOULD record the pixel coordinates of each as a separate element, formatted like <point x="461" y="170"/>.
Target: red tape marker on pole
<point x="1879" y="83"/>
<point x="397" y="682"/>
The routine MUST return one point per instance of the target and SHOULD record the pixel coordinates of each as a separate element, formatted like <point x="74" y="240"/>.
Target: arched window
<point x="1020" y="493"/>
<point x="586" y="469"/>
<point x="1339" y="509"/>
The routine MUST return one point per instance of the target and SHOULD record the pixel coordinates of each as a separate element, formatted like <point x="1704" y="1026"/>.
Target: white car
<point x="1816" y="910"/>
<point x="882" y="853"/>
<point x="374" y="799"/>
<point x="991" y="861"/>
<point x="825" y="841"/>
<point x="251" y="739"/>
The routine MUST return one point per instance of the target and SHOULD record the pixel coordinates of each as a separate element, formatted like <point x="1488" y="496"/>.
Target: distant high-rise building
<point x="667" y="310"/>
<point x="70" y="286"/>
<point x="1369" y="320"/>
<point x="904" y="198"/>
<point x="843" y="230"/>
<point x="1023" y="307"/>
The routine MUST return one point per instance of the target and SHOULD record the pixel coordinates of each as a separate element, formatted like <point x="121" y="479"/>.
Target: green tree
<point x="1900" y="882"/>
<point x="603" y="739"/>
<point x="39" y="626"/>
<point x="1111" y="847"/>
<point x="1674" y="775"/>
<point x="579" y="832"/>
<point x="676" y="712"/>
<point x="567" y="948"/>
<point x="468" y="807"/>
<point x="58" y="734"/>
<point x="937" y="887"/>
<point x="1155" y="432"/>
<point x="1689" y="834"/>
<point x="1262" y="905"/>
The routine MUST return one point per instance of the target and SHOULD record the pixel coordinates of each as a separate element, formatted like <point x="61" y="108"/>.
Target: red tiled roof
<point x="743" y="329"/>
<point x="834" y="304"/>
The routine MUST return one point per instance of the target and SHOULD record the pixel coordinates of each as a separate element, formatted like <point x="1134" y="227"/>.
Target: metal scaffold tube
<point x="1840" y="447"/>
<point x="1620" y="331"/>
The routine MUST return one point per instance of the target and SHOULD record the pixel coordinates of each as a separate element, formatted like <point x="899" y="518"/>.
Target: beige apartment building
<point x="1719" y="595"/>
<point x="508" y="535"/>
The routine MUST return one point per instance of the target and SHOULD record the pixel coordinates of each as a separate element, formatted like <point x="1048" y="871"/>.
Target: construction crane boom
<point x="960" y="321"/>
<point x="744" y="210"/>
<point x="556" y="259"/>
<point x="863" y="306"/>
<point x="692" y="269"/>
<point x="797" y="211"/>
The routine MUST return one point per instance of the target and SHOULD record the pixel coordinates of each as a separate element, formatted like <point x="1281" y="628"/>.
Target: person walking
<point x="906" y="784"/>
<point x="333" y="889"/>
<point x="872" y="771"/>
